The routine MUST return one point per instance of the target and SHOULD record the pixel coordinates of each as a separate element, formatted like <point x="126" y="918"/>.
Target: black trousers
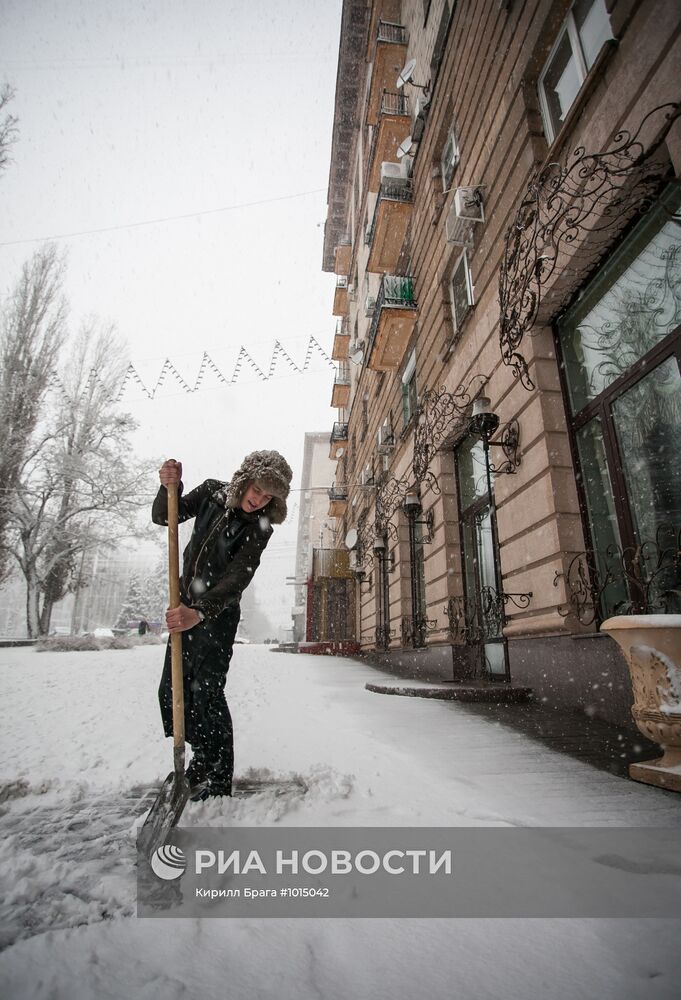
<point x="206" y="654"/>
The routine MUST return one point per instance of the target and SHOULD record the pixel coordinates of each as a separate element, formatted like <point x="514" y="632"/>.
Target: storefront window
<point x="621" y="348"/>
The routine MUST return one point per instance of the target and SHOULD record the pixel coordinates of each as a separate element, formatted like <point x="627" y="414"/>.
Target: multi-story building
<point x="503" y="222"/>
<point x="322" y="612"/>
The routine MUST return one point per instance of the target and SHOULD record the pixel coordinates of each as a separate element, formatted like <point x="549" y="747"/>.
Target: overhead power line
<point x="164" y="219"/>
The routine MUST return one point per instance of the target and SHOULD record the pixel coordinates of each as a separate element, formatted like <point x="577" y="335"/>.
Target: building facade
<point x="323" y="609"/>
<point x="503" y="222"/>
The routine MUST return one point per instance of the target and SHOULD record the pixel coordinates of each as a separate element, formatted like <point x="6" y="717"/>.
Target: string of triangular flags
<point x="244" y="361"/>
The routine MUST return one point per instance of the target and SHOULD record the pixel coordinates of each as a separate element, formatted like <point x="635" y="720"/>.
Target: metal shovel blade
<point x="164" y="813"/>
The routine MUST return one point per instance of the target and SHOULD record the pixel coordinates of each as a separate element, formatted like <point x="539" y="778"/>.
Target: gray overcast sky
<point x="140" y="111"/>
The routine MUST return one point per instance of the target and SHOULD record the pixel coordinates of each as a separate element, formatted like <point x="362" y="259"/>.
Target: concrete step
<point x="506" y="694"/>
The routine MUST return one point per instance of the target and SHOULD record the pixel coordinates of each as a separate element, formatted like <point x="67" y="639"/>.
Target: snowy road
<point x="81" y="742"/>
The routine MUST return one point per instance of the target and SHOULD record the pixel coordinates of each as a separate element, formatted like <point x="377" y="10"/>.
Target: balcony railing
<point x="392" y="323"/>
<point x="392" y="189"/>
<point x="342" y="376"/>
<point x="395" y="291"/>
<point x="394" y="104"/>
<point x="389" y="54"/>
<point x="388" y="133"/>
<point x="389" y="32"/>
<point x="339" y="432"/>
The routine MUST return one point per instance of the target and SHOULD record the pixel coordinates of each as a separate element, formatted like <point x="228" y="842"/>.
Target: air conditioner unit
<point x="386" y="439"/>
<point x="465" y="213"/>
<point x="468" y="204"/>
<point x="369" y="305"/>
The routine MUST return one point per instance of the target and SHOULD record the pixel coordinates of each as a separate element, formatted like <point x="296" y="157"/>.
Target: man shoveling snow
<point x="233" y="524"/>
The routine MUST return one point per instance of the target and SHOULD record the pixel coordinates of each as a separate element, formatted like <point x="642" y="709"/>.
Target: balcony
<point x="341" y="342"/>
<point x="392" y="129"/>
<point x="338" y="501"/>
<point x="389" y="225"/>
<point x="390" y="55"/>
<point x="338" y="442"/>
<point x="392" y="324"/>
<point x="340" y="394"/>
<point x="343" y="257"/>
<point x="340" y="297"/>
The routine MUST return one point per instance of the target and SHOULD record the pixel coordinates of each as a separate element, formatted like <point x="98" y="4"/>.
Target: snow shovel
<point x="174" y="792"/>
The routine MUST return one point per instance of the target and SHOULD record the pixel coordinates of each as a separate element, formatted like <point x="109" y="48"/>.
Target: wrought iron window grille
<point x="413" y="632"/>
<point x="647" y="578"/>
<point x="569" y="219"/>
<point x="383" y="636"/>
<point x="479" y="617"/>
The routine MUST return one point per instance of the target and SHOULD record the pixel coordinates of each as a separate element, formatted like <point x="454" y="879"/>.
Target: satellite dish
<point x="340" y="452"/>
<point x="351" y="538"/>
<point x="404" y="147"/>
<point x="406" y="74"/>
<point x="357" y="357"/>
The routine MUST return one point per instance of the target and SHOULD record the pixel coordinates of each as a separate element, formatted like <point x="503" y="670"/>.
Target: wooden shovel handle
<point x="176" y="637"/>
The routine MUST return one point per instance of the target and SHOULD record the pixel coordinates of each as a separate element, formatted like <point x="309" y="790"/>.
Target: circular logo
<point x="168" y="862"/>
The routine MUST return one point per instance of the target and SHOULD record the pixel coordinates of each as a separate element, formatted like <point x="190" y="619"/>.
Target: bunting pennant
<point x="244" y="361"/>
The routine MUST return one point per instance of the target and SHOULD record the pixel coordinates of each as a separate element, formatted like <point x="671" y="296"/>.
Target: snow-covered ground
<point x="81" y="738"/>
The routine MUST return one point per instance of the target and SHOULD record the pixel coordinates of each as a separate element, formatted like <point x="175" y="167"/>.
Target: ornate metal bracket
<point x="509" y="442"/>
<point x="568" y="220"/>
<point x="360" y="576"/>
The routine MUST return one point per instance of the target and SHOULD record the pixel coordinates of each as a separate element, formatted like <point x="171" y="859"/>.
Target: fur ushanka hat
<point x="272" y="473"/>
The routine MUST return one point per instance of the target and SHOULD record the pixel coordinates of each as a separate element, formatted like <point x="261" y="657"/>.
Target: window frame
<point x="470" y="298"/>
<point x="600" y="408"/>
<point x="568" y="28"/>
<point x="446" y="175"/>
<point x="409" y="390"/>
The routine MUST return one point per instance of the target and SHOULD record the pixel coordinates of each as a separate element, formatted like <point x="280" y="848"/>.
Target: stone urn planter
<point x="652" y="647"/>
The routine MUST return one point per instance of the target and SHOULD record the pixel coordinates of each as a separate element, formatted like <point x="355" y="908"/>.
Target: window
<point x="450" y="158"/>
<point x="581" y="37"/>
<point x="483" y="622"/>
<point x="621" y="349"/>
<point x="409" y="396"/>
<point x="461" y="291"/>
<point x="440" y="39"/>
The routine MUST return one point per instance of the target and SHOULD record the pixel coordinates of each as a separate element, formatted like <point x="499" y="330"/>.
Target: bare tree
<point x="32" y="331"/>
<point x="9" y="132"/>
<point x="82" y="490"/>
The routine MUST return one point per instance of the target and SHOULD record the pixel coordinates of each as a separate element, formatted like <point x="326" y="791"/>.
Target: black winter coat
<point x="223" y="552"/>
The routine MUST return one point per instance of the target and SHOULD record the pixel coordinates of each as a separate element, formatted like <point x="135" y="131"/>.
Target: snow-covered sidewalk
<point x="81" y="736"/>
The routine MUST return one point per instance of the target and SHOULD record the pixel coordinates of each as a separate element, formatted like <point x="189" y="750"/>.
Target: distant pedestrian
<point x="143" y="627"/>
<point x="233" y="524"/>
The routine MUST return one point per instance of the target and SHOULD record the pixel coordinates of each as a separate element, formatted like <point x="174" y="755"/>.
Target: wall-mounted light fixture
<point x="484" y="423"/>
<point x="412" y="508"/>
